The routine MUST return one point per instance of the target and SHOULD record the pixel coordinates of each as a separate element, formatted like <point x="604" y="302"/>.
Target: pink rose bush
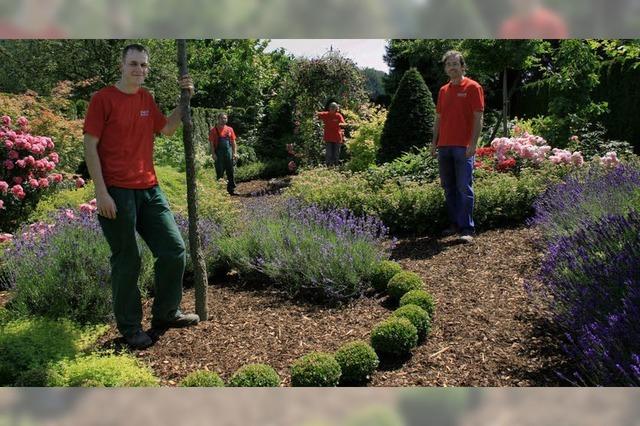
<point x="526" y="149"/>
<point x="26" y="165"/>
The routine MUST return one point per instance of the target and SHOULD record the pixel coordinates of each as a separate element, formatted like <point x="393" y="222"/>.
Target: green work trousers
<point x="224" y="163"/>
<point x="147" y="212"/>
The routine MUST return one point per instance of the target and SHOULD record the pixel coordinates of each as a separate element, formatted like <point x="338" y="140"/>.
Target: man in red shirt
<point x="531" y="19"/>
<point x="119" y="131"/>
<point x="224" y="151"/>
<point x="455" y="134"/>
<point x="333" y="133"/>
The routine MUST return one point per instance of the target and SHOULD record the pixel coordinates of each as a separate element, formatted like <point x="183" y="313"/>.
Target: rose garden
<point x="340" y="276"/>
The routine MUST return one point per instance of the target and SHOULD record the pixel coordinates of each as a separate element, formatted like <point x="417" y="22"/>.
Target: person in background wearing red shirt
<point x="455" y="134"/>
<point x="531" y="19"/>
<point x="119" y="131"/>
<point x="223" y="150"/>
<point x="333" y="133"/>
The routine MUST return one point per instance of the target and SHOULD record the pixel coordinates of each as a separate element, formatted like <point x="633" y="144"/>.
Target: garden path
<point x="486" y="331"/>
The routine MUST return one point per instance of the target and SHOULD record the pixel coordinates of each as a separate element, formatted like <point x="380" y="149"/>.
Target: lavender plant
<point x="323" y="254"/>
<point x="591" y="227"/>
<point x="594" y="193"/>
<point x="593" y="277"/>
<point x="62" y="269"/>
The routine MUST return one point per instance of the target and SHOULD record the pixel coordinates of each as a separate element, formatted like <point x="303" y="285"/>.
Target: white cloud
<point x="364" y="52"/>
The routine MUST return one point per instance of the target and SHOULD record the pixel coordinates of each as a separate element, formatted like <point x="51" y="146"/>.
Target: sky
<point x="364" y="52"/>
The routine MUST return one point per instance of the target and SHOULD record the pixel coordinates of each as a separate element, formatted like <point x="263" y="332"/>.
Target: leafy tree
<point x="410" y="119"/>
<point x="498" y="57"/>
<point x="310" y="87"/>
<point x="424" y="55"/>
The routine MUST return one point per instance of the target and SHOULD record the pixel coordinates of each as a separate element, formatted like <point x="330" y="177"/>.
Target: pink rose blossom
<point x="6" y="120"/>
<point x="69" y="214"/>
<point x="8" y="164"/>
<point x="23" y="122"/>
<point x="17" y="180"/>
<point x="21" y="163"/>
<point x="8" y="144"/>
<point x="79" y="182"/>
<point x="4" y="186"/>
<point x="18" y="192"/>
<point x="13" y="155"/>
<point x="34" y="183"/>
<point x="43" y="182"/>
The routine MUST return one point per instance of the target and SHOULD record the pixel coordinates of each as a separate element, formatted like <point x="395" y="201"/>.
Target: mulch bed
<point x="487" y="330"/>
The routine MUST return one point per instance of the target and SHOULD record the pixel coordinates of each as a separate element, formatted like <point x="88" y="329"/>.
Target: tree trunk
<point x="505" y="105"/>
<point x="197" y="257"/>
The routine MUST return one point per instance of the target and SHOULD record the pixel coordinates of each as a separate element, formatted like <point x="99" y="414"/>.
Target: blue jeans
<point x="456" y="177"/>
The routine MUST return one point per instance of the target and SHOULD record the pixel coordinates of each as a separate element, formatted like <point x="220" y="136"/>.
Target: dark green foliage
<point x="402" y="283"/>
<point x="394" y="337"/>
<point x="255" y="375"/>
<point x="316" y="369"/>
<point x="419" y="298"/>
<point x="418" y="317"/>
<point x="410" y="119"/>
<point x="419" y="166"/>
<point x="382" y="273"/>
<point x="357" y="361"/>
<point x="267" y="169"/>
<point x="202" y="379"/>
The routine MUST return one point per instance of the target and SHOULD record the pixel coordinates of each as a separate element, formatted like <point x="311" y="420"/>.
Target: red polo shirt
<point x="215" y="133"/>
<point x="332" y="131"/>
<point x="456" y="105"/>
<point x="125" y="125"/>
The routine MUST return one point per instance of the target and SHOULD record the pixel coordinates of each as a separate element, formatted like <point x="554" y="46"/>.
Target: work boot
<point x="181" y="320"/>
<point x="139" y="340"/>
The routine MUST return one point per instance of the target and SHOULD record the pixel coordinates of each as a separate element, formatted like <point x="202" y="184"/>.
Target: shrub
<point x="99" y="370"/>
<point x="394" y="337"/>
<point x="324" y="255"/>
<point x="202" y="379"/>
<point x="316" y="369"/>
<point x="419" y="298"/>
<point x="62" y="270"/>
<point x="410" y="119"/>
<point x="418" y="165"/>
<point x="35" y="344"/>
<point x="26" y="163"/>
<point x="364" y="143"/>
<point x="357" y="362"/>
<point x="418" y="317"/>
<point x="382" y="273"/>
<point x="255" y="375"/>
<point x="402" y="283"/>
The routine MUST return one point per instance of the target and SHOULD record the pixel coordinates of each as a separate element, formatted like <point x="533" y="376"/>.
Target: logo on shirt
<point x="462" y="94"/>
<point x="144" y="113"/>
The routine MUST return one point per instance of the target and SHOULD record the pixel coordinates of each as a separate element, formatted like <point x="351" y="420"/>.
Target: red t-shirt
<point x="332" y="131"/>
<point x="125" y="125"/>
<point x="540" y="23"/>
<point x="456" y="107"/>
<point x="215" y="133"/>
